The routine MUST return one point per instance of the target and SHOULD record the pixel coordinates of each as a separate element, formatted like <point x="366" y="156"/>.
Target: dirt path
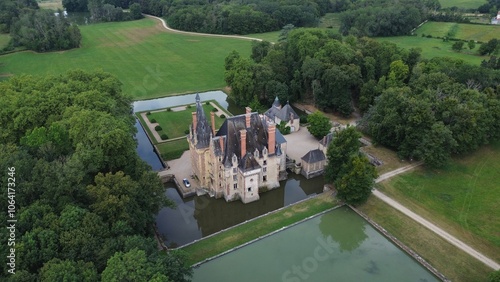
<point x="445" y="235"/>
<point x="200" y="34"/>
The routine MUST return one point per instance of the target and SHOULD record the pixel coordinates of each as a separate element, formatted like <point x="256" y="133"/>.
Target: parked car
<point x="186" y="183"/>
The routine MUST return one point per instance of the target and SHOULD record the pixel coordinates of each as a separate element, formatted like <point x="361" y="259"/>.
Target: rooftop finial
<point x="197" y="97"/>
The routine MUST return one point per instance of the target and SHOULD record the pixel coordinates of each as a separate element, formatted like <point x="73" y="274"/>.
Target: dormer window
<point x="256" y="153"/>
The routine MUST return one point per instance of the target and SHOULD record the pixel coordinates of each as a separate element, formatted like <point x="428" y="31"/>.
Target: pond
<point x="336" y="246"/>
<point x="197" y="217"/>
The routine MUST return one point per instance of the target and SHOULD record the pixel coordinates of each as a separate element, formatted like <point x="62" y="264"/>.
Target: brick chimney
<point x="243" y="140"/>
<point x="195" y="120"/>
<point x="271" y="138"/>
<point x="247" y="116"/>
<point x="212" y="117"/>
<point x="221" y="142"/>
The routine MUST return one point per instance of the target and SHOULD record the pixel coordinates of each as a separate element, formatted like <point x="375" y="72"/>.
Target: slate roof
<point x="286" y="113"/>
<point x="276" y="103"/>
<point x="256" y="136"/>
<point x="327" y="139"/>
<point x="248" y="162"/>
<point x="314" y="156"/>
<point x="203" y="128"/>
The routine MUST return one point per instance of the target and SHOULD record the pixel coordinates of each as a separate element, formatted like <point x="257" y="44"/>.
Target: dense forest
<point x="85" y="203"/>
<point x="425" y="109"/>
<point x="35" y="29"/>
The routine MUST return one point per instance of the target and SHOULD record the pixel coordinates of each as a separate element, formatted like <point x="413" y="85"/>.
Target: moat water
<point x="336" y="246"/>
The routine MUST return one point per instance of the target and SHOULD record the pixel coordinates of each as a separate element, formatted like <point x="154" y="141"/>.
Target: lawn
<point x="241" y="234"/>
<point x="272" y="36"/>
<point x="465" y="4"/>
<point x="50" y="4"/>
<point x="148" y="61"/>
<point x="474" y="32"/>
<point x="175" y="123"/>
<point x="455" y="264"/>
<point x="434" y="48"/>
<point x="463" y="198"/>
<point x="172" y="149"/>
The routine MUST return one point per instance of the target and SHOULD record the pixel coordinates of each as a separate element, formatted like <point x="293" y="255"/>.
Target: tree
<point x="66" y="270"/>
<point x="75" y="5"/>
<point x="458" y="46"/>
<point x="494" y="276"/>
<point x="345" y="143"/>
<point x="356" y="180"/>
<point x="135" y="11"/>
<point x="471" y="44"/>
<point x="319" y="124"/>
<point x="489" y="48"/>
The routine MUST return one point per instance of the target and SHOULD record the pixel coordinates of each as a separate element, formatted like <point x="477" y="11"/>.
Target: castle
<point x="245" y="156"/>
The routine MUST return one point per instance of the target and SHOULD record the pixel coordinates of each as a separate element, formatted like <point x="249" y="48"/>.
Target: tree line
<point x="105" y="10"/>
<point x="35" y="29"/>
<point x="85" y="202"/>
<point x="425" y="109"/>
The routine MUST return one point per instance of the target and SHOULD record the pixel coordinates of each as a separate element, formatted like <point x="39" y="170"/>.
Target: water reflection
<point x="347" y="229"/>
<point x="198" y="217"/>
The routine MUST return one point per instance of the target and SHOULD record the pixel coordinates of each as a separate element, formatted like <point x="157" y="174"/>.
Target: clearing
<point x="462" y="198"/>
<point x="148" y="60"/>
<point x="476" y="32"/>
<point x="464" y="4"/>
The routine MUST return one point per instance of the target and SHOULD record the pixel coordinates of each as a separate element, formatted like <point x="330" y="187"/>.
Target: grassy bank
<point x="148" y="61"/>
<point x="455" y="264"/>
<point x="462" y="199"/>
<point x="241" y="234"/>
<point x="463" y="31"/>
<point x="434" y="48"/>
<point x="464" y="4"/>
<point x="173" y="149"/>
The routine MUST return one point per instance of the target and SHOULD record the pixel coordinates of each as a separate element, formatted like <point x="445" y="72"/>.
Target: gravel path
<point x="445" y="235"/>
<point x="200" y="34"/>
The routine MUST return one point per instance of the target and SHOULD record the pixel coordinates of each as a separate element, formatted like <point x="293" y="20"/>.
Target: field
<point x="148" y="61"/>
<point x="463" y="198"/>
<point x="173" y="149"/>
<point x="434" y="48"/>
<point x="465" y="4"/>
<point x="330" y="20"/>
<point x="455" y="264"/>
<point x="272" y="36"/>
<point x="474" y="32"/>
<point x="50" y="4"/>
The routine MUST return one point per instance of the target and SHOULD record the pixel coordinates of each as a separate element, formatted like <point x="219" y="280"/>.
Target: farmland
<point x="147" y="60"/>
<point x="475" y="32"/>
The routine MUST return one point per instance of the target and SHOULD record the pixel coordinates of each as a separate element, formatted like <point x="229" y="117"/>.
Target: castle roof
<point x="314" y="156"/>
<point x="285" y="113"/>
<point x="203" y="129"/>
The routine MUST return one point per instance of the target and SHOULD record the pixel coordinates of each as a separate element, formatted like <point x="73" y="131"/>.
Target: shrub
<point x="207" y="103"/>
<point x="158" y="128"/>
<point x="423" y="34"/>
<point x="188" y="106"/>
<point x="169" y="109"/>
<point x="153" y="120"/>
<point x="148" y="113"/>
<point x="214" y="110"/>
<point x="186" y="131"/>
<point x="303" y="119"/>
<point x="164" y="136"/>
<point x="223" y="116"/>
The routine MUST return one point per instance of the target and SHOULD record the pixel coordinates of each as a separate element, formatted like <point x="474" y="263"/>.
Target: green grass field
<point x="330" y="20"/>
<point x="454" y="263"/>
<point x="172" y="149"/>
<point x="434" y="48"/>
<point x="465" y="4"/>
<point x="463" y="198"/>
<point x="148" y="61"/>
<point x="174" y="124"/>
<point x="474" y="32"/>
<point x="272" y="36"/>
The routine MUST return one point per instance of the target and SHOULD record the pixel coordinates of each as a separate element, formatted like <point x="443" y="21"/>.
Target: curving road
<point x="198" y="33"/>
<point x="445" y="235"/>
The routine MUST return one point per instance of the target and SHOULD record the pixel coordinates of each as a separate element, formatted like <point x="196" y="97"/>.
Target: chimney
<point x="247" y="116"/>
<point x="243" y="140"/>
<point x="221" y="142"/>
<point x="271" y="138"/>
<point x="195" y="120"/>
<point x="212" y="117"/>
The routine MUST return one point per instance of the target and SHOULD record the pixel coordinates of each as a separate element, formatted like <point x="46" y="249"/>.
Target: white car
<point x="186" y="183"/>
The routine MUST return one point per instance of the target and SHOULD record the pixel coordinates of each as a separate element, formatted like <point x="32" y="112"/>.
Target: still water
<point x="197" y="217"/>
<point x="336" y="246"/>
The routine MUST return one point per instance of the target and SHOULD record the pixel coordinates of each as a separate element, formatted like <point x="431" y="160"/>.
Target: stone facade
<point x="246" y="155"/>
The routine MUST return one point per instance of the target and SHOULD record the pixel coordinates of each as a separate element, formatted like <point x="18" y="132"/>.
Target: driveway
<point x="299" y="143"/>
